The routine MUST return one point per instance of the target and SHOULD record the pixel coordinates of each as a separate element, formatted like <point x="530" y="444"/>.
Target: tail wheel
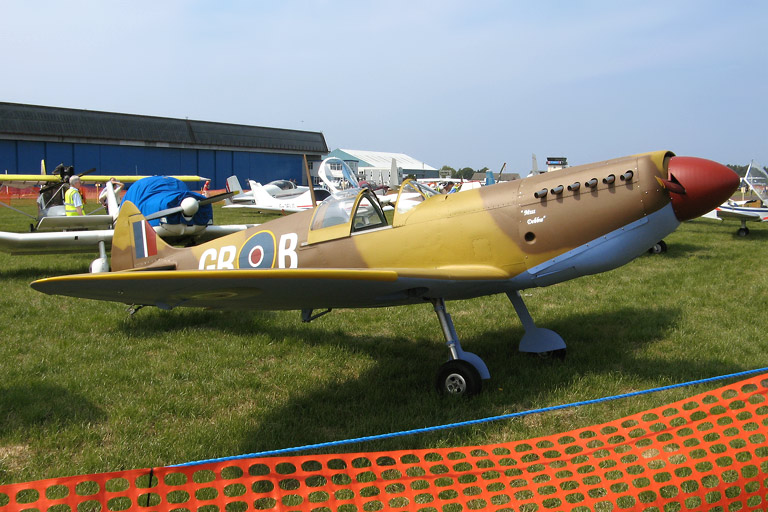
<point x="658" y="248"/>
<point x="458" y="377"/>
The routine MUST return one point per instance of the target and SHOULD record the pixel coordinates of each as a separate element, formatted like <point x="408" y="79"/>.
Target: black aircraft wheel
<point x="743" y="231"/>
<point x="658" y="248"/>
<point x="458" y="377"/>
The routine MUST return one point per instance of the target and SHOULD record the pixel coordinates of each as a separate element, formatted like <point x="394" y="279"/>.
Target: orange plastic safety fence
<point x="708" y="452"/>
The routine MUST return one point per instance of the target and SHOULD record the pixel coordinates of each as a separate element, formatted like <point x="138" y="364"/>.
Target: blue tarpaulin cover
<point x="157" y="193"/>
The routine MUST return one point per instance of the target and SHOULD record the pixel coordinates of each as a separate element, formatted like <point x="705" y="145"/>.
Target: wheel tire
<point x="743" y="231"/>
<point x="458" y="378"/>
<point x="658" y="248"/>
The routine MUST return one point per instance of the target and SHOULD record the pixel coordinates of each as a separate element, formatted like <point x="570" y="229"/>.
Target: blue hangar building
<point x="145" y="145"/>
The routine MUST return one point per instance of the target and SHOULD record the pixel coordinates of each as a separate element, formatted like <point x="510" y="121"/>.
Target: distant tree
<point x="447" y="171"/>
<point x="411" y="177"/>
<point x="466" y="173"/>
<point x="741" y="170"/>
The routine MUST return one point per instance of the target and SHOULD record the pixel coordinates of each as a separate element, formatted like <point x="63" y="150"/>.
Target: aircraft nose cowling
<point x="697" y="186"/>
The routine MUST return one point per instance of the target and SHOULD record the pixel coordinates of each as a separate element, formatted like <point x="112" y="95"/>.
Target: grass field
<point x="86" y="388"/>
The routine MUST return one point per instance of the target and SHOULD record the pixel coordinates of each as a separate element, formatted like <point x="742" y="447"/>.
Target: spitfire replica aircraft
<point x="184" y="215"/>
<point x="345" y="254"/>
<point x="753" y="210"/>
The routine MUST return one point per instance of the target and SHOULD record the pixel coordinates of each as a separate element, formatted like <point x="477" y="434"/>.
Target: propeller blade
<point x="164" y="213"/>
<point x="89" y="171"/>
<point x="216" y="198"/>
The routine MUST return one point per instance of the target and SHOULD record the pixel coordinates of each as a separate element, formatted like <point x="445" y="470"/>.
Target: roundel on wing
<point x="258" y="251"/>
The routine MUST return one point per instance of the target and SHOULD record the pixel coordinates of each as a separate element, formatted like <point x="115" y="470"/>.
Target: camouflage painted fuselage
<point x="532" y="232"/>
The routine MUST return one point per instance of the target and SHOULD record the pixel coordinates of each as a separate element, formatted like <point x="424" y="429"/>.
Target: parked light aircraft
<point x="277" y="196"/>
<point x="505" y="238"/>
<point x="284" y="196"/>
<point x="89" y="233"/>
<point x="50" y="201"/>
<point x="753" y="210"/>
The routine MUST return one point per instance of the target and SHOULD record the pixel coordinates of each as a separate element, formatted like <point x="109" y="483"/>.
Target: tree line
<point x="465" y="173"/>
<point x="741" y="170"/>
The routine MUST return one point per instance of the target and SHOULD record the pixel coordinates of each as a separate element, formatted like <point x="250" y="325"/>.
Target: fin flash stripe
<point x="144" y="241"/>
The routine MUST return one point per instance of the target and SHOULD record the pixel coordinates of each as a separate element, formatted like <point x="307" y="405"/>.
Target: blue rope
<point x="378" y="437"/>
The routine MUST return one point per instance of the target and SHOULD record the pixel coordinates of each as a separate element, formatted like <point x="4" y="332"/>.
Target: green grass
<point x="85" y="388"/>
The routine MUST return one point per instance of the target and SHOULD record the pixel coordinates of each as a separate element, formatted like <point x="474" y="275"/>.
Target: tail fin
<point x="260" y="195"/>
<point x="233" y="185"/>
<point x="135" y="243"/>
<point x="489" y="178"/>
<point x="394" y="179"/>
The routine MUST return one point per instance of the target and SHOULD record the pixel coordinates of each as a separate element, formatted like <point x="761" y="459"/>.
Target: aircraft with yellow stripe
<point x="504" y="238"/>
<point x="57" y="233"/>
<point x="50" y="201"/>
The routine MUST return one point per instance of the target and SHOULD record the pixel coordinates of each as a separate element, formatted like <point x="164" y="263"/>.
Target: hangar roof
<point x="379" y="159"/>
<point x="66" y="125"/>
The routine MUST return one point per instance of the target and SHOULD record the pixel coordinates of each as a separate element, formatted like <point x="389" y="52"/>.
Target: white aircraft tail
<point x="260" y="194"/>
<point x="394" y="178"/>
<point x="233" y="185"/>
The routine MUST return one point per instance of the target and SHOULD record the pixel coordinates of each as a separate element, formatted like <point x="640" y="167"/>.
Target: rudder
<point x="233" y="185"/>
<point x="135" y="243"/>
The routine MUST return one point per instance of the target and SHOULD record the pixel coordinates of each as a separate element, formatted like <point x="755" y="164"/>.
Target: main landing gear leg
<point x="743" y="230"/>
<point x="463" y="374"/>
<point x="538" y="340"/>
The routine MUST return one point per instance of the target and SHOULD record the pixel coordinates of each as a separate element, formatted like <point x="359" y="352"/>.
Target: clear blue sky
<point x="463" y="83"/>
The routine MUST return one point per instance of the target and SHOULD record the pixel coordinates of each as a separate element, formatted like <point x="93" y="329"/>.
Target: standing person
<point x="116" y="187"/>
<point x="73" y="200"/>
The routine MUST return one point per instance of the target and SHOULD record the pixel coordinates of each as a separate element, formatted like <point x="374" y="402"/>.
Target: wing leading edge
<point x="271" y="289"/>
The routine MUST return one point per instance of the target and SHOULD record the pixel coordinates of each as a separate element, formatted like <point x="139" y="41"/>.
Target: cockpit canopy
<point x="344" y="213"/>
<point x="356" y="210"/>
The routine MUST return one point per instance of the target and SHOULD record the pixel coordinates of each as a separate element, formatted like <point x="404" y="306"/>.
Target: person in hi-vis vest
<point x="73" y="201"/>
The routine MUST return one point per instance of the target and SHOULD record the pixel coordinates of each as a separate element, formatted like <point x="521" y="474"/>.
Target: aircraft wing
<point x="73" y="222"/>
<point x="133" y="179"/>
<point x="86" y="241"/>
<point x="271" y="289"/>
<point x="728" y="212"/>
<point x="54" y="243"/>
<point x="27" y="180"/>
